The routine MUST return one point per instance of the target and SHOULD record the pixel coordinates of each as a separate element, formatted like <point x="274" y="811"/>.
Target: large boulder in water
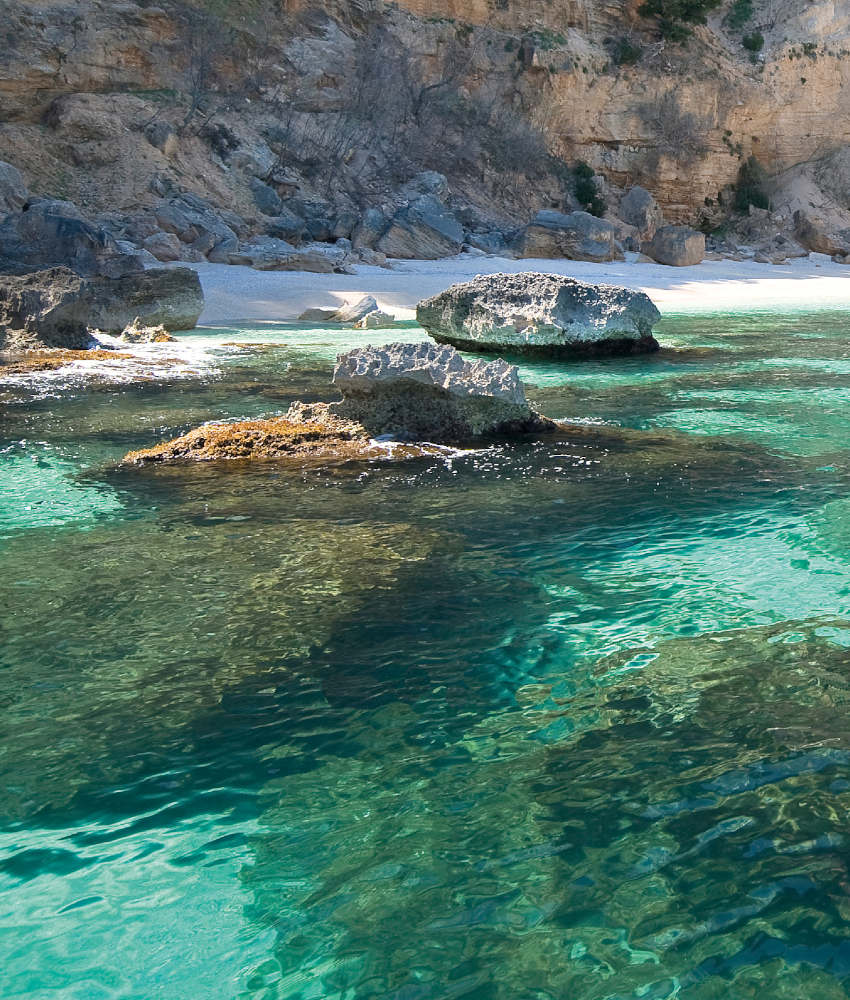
<point x="577" y="236"/>
<point x="45" y="309"/>
<point x="167" y="296"/>
<point x="429" y="392"/>
<point x="57" y="307"/>
<point x="540" y="314"/>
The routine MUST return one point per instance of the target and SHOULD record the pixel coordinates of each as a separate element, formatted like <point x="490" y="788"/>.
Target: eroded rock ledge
<point x="419" y="396"/>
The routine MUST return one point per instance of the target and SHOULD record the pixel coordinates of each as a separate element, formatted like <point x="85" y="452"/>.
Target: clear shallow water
<point x="560" y="719"/>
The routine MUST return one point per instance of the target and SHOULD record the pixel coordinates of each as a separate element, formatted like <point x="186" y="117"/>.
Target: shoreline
<point x="235" y="294"/>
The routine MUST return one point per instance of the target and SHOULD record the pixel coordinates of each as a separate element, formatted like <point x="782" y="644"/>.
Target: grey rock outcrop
<point x="265" y="253"/>
<point x="429" y="392"/>
<point x="164" y="246"/>
<point x="676" y="246"/>
<point x="639" y="209"/>
<point x="540" y="314"/>
<point x="577" y="236"/>
<point x="55" y="234"/>
<point x="45" y="309"/>
<point x="13" y="191"/>
<point x="266" y="198"/>
<point x="369" y="229"/>
<point x="169" y="297"/>
<point x="423" y="230"/>
<point x="195" y="222"/>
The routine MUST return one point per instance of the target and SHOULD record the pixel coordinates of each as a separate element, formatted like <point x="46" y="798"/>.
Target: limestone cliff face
<point x="346" y="98"/>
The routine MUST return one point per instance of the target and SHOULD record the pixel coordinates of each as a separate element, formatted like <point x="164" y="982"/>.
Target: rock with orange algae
<point x="306" y="431"/>
<point x="48" y="360"/>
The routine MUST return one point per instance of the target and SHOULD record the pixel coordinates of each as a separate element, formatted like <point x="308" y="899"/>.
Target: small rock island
<point x="543" y="315"/>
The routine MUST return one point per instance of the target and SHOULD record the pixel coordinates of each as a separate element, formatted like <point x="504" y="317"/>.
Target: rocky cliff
<point x="291" y="109"/>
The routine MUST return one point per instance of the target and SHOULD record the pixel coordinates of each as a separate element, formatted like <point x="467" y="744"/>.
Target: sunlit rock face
<point x="541" y="314"/>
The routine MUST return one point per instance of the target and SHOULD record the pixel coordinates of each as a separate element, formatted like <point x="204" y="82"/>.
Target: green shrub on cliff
<point x="585" y="190"/>
<point x="676" y="16"/>
<point x="751" y="186"/>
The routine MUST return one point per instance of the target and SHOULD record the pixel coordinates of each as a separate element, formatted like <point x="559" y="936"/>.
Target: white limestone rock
<point x="540" y="314"/>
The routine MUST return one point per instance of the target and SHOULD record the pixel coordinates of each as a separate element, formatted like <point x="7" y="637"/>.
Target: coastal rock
<point x="376" y="320"/>
<point x="170" y="297"/>
<point x="429" y="392"/>
<point x="266" y="198"/>
<point x="639" y="209"/>
<point x="55" y="234"/>
<point x="676" y="246"/>
<point x="542" y="314"/>
<point x="317" y="315"/>
<point x="195" y="222"/>
<point x="164" y="246"/>
<point x="137" y="333"/>
<point x="354" y="312"/>
<point x="13" y="190"/>
<point x="264" y="253"/>
<point x="45" y="309"/>
<point x="368" y="231"/>
<point x="577" y="236"/>
<point x="423" y="230"/>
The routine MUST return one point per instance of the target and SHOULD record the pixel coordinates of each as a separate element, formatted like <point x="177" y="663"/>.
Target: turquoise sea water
<point x="555" y="719"/>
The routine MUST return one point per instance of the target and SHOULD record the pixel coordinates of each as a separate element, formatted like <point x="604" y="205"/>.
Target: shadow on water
<point x="563" y="718"/>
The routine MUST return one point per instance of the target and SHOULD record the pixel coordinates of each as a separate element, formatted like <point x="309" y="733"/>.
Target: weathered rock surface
<point x="55" y="234"/>
<point x="355" y="311"/>
<point x="265" y="253"/>
<point x="540" y="314"/>
<point x="577" y="236"/>
<point x="424" y="230"/>
<point x="59" y="308"/>
<point x="13" y="190"/>
<point x="816" y="236"/>
<point x="639" y="209"/>
<point x="169" y="297"/>
<point x="45" y="309"/>
<point x="677" y="246"/>
<point x="429" y="392"/>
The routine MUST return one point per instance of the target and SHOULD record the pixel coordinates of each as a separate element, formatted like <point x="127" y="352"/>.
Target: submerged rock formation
<point x="540" y="314"/>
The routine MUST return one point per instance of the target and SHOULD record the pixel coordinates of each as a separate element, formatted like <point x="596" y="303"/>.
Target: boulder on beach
<point x="676" y="246"/>
<point x="547" y="315"/>
<point x="577" y="236"/>
<point x="429" y="392"/>
<point x="424" y="230"/>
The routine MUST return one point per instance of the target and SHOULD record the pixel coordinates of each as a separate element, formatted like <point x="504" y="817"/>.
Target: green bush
<point x="674" y="16"/>
<point x="753" y="42"/>
<point x="740" y="12"/>
<point x="751" y="186"/>
<point x="585" y="190"/>
<point x="626" y="52"/>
